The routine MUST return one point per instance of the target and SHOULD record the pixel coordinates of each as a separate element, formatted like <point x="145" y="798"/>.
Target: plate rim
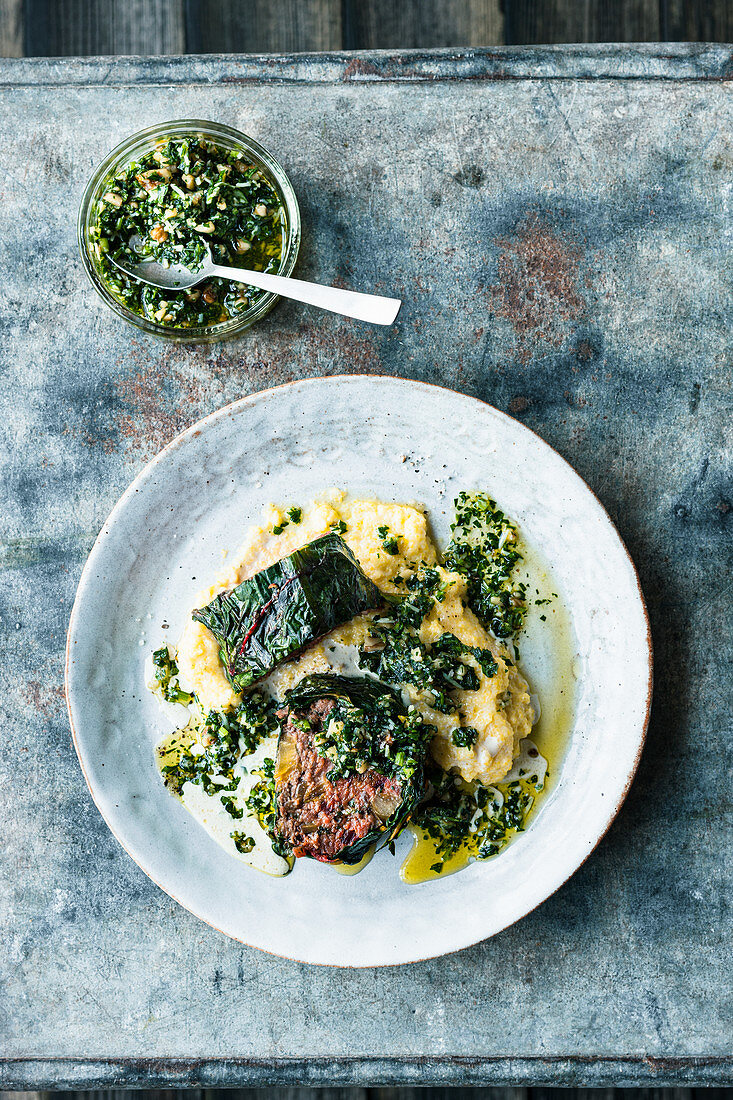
<point x="195" y="430"/>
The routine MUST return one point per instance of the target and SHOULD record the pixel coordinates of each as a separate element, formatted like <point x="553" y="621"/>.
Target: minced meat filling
<point x="317" y="817"/>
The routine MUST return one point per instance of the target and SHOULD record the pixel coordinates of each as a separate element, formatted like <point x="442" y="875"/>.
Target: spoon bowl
<point x="166" y="277"/>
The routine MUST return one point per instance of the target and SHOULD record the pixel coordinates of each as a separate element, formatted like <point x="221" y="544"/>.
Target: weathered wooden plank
<point x="697" y="20"/>
<point x="11" y="28"/>
<point x="83" y="27"/>
<point x="397" y="1093"/>
<point x="649" y="1094"/>
<point x="528" y="22"/>
<point x="25" y="1095"/>
<point x="453" y="1093"/>
<point x="579" y="1094"/>
<point x="384" y="24"/>
<point x="281" y="1093"/>
<point x="64" y="28"/>
<point x="263" y="26"/>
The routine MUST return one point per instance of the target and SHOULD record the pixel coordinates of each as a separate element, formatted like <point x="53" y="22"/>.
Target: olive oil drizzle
<point x="350" y="869"/>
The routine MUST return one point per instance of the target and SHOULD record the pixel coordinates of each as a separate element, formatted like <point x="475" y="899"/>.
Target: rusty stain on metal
<point x="537" y="286"/>
<point x="518" y="405"/>
<point x="157" y="400"/>
<point x="47" y="700"/>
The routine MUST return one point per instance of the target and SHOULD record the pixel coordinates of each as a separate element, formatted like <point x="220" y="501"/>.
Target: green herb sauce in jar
<point x="184" y="192"/>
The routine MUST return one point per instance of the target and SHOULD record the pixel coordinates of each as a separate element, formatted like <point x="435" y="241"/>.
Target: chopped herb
<point x="278" y="530"/>
<point x="339" y="528"/>
<point x="295" y="514"/>
<point x="389" y="542"/>
<point x="231" y="808"/>
<point x="397" y="656"/>
<point x="257" y="719"/>
<point x="464" y="737"/>
<point x="486" y="661"/>
<point x="166" y="675"/>
<point x="262" y="801"/>
<point x="242" y="843"/>
<point x="472" y="818"/>
<point x="223" y="738"/>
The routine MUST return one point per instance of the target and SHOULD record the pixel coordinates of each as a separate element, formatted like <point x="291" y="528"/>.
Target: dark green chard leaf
<point x="274" y="615"/>
<point x="359" y="691"/>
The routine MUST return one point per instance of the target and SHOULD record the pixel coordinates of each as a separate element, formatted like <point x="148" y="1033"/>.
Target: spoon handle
<point x="364" y="307"/>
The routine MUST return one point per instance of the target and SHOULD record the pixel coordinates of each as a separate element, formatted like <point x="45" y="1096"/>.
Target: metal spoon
<point x="364" y="307"/>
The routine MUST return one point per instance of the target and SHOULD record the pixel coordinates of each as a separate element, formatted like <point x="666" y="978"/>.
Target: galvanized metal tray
<point x="558" y="223"/>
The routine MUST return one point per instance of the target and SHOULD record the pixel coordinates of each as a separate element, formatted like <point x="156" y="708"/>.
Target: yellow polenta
<point x="500" y="710"/>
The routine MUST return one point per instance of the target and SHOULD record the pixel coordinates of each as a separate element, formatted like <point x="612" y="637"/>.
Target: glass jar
<point x="132" y="149"/>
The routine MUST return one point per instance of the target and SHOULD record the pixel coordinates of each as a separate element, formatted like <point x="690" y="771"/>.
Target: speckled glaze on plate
<point x="165" y="537"/>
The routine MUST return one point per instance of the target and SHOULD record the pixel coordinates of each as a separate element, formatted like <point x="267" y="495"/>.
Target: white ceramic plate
<point x="165" y="537"/>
